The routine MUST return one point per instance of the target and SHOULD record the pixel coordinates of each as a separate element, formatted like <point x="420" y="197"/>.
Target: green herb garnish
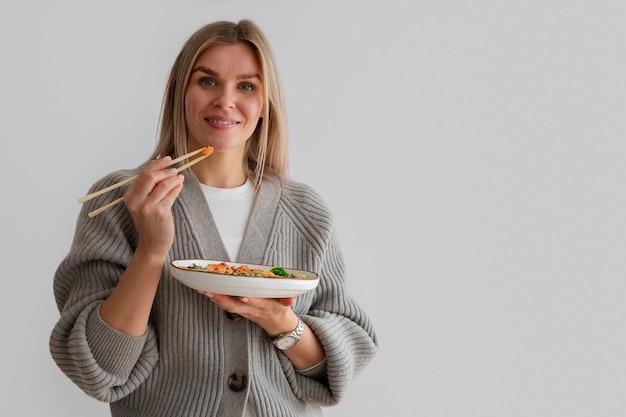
<point x="280" y="272"/>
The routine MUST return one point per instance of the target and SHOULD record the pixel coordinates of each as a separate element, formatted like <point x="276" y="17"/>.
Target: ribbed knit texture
<point x="180" y="367"/>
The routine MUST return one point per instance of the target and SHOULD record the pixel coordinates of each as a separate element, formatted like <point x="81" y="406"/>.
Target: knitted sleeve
<point x="342" y="326"/>
<point x="103" y="362"/>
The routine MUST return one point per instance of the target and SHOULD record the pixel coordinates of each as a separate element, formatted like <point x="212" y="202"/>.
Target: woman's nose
<point x="224" y="99"/>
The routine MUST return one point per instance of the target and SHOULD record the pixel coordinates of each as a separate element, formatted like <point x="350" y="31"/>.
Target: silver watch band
<point x="288" y="340"/>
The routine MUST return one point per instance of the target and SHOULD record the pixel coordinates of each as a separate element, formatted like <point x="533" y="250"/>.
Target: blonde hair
<point x="266" y="150"/>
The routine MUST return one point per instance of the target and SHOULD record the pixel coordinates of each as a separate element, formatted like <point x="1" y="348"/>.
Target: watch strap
<point x="295" y="335"/>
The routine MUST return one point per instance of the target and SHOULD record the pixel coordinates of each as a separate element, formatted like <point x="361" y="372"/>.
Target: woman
<point x="132" y="335"/>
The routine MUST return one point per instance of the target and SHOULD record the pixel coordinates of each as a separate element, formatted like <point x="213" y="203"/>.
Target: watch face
<point x="285" y="342"/>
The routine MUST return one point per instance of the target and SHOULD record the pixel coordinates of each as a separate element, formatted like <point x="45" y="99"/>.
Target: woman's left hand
<point x="272" y="314"/>
<point x="276" y="317"/>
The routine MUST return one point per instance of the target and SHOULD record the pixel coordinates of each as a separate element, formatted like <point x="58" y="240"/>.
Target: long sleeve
<point x="104" y="363"/>
<point x="342" y="326"/>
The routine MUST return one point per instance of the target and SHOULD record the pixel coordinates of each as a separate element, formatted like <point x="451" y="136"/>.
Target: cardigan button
<point x="233" y="316"/>
<point x="238" y="381"/>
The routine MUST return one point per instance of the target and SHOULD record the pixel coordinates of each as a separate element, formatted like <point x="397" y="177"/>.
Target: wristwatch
<point x="286" y="341"/>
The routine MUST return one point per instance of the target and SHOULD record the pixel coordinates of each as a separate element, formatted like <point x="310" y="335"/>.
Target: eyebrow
<point x="210" y="72"/>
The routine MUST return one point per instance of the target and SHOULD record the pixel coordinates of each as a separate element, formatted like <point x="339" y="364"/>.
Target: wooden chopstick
<point x="131" y="179"/>
<point x="126" y="181"/>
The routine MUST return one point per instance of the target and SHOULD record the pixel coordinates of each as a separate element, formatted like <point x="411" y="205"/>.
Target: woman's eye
<point x="207" y="82"/>
<point x="247" y="87"/>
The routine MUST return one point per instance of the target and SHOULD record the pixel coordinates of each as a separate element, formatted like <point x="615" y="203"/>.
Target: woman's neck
<point x="221" y="170"/>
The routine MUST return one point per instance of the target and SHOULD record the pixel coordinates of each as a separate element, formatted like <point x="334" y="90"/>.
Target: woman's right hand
<point x="149" y="201"/>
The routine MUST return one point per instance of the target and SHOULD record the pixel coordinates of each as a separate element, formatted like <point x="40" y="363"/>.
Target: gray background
<point x="472" y="152"/>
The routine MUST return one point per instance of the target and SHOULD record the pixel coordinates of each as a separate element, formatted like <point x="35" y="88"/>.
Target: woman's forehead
<point x="238" y="59"/>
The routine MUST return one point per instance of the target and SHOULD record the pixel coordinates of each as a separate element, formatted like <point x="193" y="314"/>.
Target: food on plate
<point x="243" y="271"/>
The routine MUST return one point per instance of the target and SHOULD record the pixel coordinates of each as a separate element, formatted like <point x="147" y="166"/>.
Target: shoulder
<point x="301" y="193"/>
<point x="302" y="200"/>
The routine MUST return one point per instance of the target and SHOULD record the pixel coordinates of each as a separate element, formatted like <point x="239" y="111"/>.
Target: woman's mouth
<point x="221" y="122"/>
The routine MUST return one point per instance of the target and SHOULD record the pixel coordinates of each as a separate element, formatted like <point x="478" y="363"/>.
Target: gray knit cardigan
<point x="181" y="366"/>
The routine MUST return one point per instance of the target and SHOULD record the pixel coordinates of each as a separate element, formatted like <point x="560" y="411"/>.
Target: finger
<point x="167" y="201"/>
<point x="223" y="301"/>
<point x="149" y="194"/>
<point x="167" y="189"/>
<point x="144" y="185"/>
<point x="287" y="301"/>
<point x="161" y="163"/>
<point x="149" y="177"/>
<point x="205" y="293"/>
<point x="155" y="166"/>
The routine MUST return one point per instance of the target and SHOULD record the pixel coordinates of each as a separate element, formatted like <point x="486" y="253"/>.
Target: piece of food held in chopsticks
<point x="205" y="152"/>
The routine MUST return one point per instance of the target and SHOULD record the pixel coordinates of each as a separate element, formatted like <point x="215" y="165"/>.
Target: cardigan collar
<point x="257" y="233"/>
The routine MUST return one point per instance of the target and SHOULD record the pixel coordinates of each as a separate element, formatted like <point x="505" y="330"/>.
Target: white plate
<point x="241" y="286"/>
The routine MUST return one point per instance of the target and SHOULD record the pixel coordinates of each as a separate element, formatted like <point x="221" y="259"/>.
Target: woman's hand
<point x="274" y="315"/>
<point x="150" y="199"/>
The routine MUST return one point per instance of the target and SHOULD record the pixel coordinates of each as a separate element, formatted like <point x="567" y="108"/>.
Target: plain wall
<point x="472" y="153"/>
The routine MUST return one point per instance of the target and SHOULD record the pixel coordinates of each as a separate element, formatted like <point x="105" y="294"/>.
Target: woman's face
<point x="224" y="98"/>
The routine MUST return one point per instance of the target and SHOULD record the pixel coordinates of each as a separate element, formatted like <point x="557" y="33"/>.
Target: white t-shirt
<point x="230" y="208"/>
